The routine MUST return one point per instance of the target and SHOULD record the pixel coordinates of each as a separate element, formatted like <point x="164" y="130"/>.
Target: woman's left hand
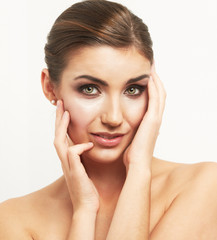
<point x="140" y="151"/>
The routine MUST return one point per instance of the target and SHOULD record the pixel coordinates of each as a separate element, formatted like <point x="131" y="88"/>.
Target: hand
<point x="81" y="189"/>
<point x="140" y="151"/>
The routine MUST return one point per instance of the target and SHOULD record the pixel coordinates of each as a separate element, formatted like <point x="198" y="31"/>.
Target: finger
<point x="74" y="152"/>
<point x="59" y="118"/>
<point x="153" y="103"/>
<point x="161" y="90"/>
<point x="150" y="119"/>
<point x="60" y="138"/>
<point x="159" y="83"/>
<point x="61" y="150"/>
<point x="59" y="112"/>
<point x="61" y="129"/>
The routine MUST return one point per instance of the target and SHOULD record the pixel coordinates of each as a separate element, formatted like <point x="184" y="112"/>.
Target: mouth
<point x="108" y="135"/>
<point x="107" y="139"/>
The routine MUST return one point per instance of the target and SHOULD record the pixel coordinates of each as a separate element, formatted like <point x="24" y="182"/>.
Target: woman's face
<point x="104" y="90"/>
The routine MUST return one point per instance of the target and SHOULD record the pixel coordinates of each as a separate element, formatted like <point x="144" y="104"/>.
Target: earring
<point x="53" y="101"/>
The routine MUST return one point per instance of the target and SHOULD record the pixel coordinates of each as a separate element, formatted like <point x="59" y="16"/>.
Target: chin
<point x="107" y="155"/>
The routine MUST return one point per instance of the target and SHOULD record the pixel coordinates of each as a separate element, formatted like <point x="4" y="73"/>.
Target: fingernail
<point x="65" y="115"/>
<point x="58" y="103"/>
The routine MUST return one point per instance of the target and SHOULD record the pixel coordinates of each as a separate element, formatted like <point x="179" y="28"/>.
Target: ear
<point x="48" y="86"/>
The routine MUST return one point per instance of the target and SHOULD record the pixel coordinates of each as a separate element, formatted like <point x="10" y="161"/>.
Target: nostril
<point x="112" y="120"/>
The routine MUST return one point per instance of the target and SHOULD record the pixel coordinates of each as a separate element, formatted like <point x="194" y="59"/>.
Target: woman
<point x="110" y="104"/>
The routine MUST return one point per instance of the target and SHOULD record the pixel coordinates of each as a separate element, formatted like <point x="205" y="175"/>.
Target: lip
<point x="107" y="139"/>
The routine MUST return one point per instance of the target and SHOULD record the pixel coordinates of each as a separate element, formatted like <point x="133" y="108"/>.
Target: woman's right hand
<point x="82" y="191"/>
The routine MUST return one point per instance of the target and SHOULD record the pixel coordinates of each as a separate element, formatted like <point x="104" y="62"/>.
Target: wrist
<point x="84" y="212"/>
<point x="139" y="170"/>
<point x="143" y="162"/>
<point x="82" y="225"/>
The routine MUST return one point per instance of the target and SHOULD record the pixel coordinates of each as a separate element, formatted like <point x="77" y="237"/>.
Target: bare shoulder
<point x="195" y="178"/>
<point x="192" y="213"/>
<point x="183" y="177"/>
<point x="197" y="169"/>
<point x="19" y="217"/>
<point x="14" y="219"/>
<point x="37" y="214"/>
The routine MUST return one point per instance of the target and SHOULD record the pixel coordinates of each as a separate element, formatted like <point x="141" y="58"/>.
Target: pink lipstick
<point x="107" y="139"/>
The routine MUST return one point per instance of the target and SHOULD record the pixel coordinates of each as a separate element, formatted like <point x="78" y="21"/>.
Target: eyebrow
<point x="104" y="83"/>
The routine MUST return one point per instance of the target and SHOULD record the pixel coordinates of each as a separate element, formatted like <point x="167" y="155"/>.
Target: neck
<point x="108" y="178"/>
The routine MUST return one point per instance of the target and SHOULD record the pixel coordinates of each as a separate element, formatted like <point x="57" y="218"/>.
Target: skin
<point x="108" y="110"/>
<point x="100" y="184"/>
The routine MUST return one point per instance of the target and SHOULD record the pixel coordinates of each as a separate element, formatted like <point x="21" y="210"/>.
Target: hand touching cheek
<point x="140" y="151"/>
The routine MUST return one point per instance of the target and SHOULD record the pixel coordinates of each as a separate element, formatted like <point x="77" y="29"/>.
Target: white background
<point x="185" y="44"/>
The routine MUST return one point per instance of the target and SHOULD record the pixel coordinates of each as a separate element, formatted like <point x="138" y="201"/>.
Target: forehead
<point x="106" y="62"/>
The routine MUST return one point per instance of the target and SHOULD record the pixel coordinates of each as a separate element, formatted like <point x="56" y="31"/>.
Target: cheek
<point x="136" y="111"/>
<point x="81" y="113"/>
<point x="78" y="117"/>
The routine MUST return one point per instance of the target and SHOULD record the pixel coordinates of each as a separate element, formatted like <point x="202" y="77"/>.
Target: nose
<point x="112" y="113"/>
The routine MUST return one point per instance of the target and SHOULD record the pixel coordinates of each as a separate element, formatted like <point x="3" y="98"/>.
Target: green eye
<point x="88" y="90"/>
<point x="132" y="90"/>
<point x="135" y="90"/>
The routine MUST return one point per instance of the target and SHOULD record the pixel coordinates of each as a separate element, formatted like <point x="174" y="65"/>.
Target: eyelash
<point x="140" y="88"/>
<point x="83" y="87"/>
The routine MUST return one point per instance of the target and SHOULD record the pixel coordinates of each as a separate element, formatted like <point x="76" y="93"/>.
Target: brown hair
<point x="94" y="23"/>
